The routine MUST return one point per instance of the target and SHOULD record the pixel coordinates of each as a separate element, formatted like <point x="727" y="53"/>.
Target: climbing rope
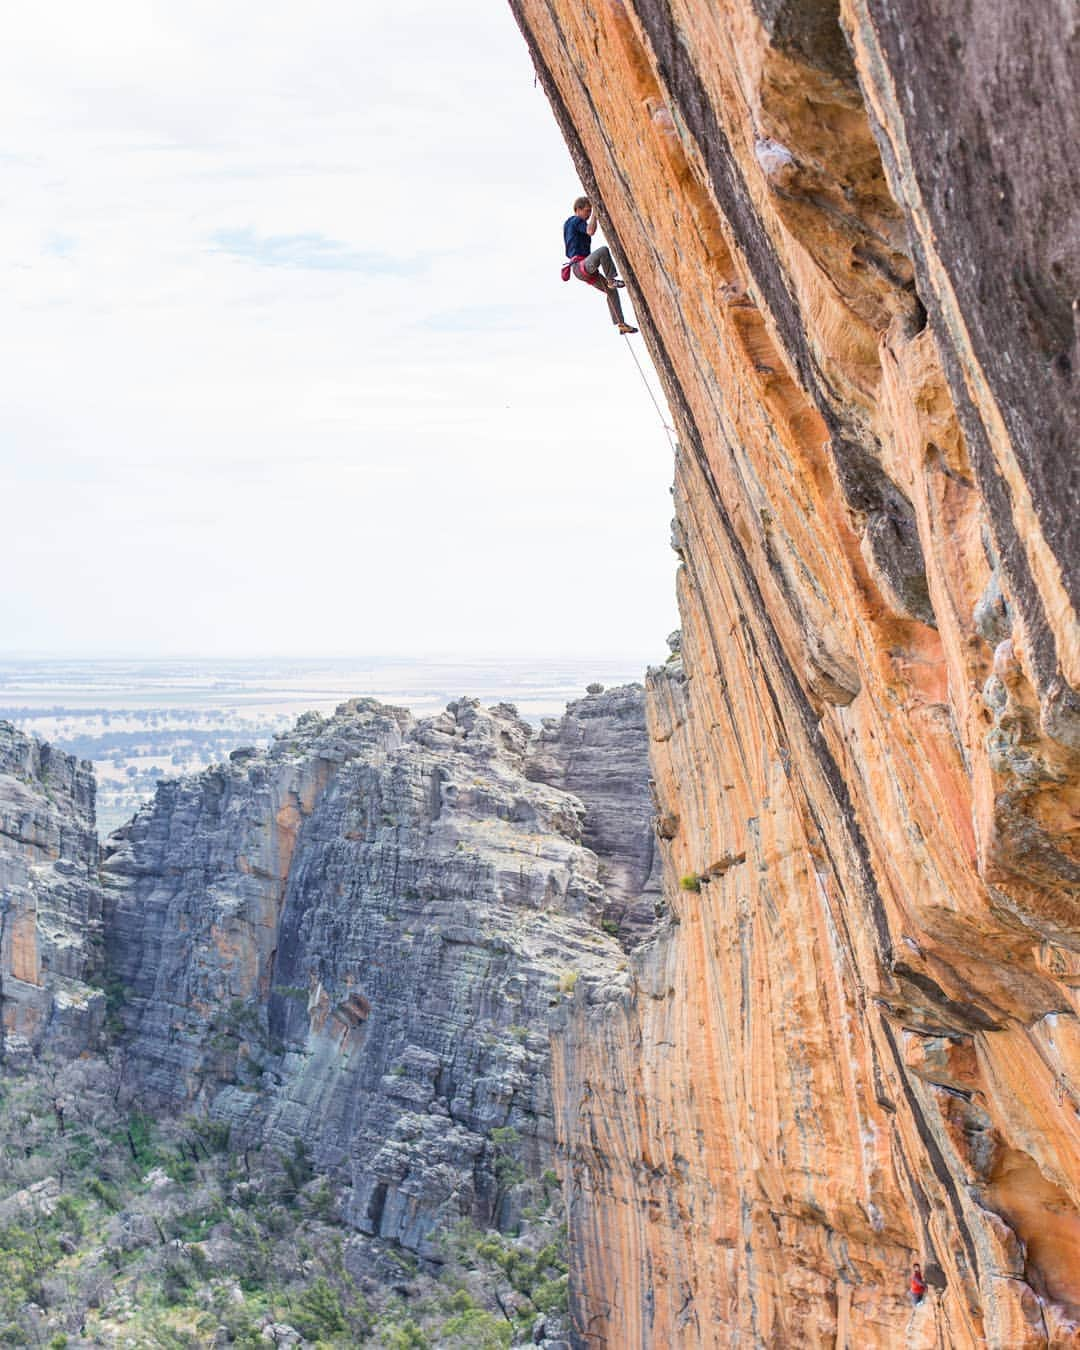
<point x="669" y="431"/>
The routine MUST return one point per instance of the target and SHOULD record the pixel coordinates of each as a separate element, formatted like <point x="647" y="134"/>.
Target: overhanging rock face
<point x="850" y="233"/>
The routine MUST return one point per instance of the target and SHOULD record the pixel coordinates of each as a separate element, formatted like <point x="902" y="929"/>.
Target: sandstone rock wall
<point x="850" y="233"/>
<point x="361" y="939"/>
<point x="50" y="901"/>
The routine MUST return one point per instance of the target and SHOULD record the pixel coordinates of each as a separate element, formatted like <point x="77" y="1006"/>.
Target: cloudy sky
<point x="287" y="364"/>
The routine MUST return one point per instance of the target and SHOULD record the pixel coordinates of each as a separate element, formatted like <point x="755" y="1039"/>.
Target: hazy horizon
<point x="313" y="656"/>
<point x="143" y="720"/>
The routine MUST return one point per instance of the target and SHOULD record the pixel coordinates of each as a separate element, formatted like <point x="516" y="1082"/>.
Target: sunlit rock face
<point x="850" y="234"/>
<point x="50" y="902"/>
<point x="360" y="941"/>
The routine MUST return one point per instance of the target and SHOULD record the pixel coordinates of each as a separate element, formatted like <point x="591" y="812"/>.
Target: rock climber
<point x="595" y="266"/>
<point x="918" y="1284"/>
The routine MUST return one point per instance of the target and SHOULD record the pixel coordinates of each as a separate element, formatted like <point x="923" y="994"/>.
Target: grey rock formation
<point x="361" y="939"/>
<point x="599" y="751"/>
<point x="50" y="901"/>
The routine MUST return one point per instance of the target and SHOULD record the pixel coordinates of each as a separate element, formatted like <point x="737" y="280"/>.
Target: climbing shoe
<point x="625" y="329"/>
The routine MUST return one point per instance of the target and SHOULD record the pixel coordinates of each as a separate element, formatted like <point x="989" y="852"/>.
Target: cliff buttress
<point x="850" y="233"/>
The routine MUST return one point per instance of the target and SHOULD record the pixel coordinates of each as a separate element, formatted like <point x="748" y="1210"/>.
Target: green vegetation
<point x="690" y="882"/>
<point x="567" y="980"/>
<point x="296" y="991"/>
<point x="298" y="1169"/>
<point x="320" y="1314"/>
<point x="509" y="1169"/>
<point x="404" y="1336"/>
<point x="116" y="998"/>
<point x="610" y="926"/>
<point x="156" y="1232"/>
<point x="537" y="1277"/>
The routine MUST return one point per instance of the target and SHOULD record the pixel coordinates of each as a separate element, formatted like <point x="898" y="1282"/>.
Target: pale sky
<point x="287" y="364"/>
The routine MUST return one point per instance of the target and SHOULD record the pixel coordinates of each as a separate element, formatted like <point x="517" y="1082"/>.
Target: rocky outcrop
<point x="359" y="941"/>
<point x="850" y="234"/>
<point x="50" y="901"/>
<point x="599" y="751"/>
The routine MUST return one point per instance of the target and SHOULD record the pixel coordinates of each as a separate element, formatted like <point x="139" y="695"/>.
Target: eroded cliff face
<point x="362" y="939"/>
<point x="598" y="751"/>
<point x="850" y="233"/>
<point x="50" y="902"/>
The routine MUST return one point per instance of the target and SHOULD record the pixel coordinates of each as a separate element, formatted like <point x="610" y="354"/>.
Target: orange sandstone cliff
<point x="850" y="234"/>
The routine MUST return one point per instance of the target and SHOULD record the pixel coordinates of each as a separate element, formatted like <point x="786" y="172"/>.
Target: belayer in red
<point x="594" y="266"/>
<point x="918" y="1284"/>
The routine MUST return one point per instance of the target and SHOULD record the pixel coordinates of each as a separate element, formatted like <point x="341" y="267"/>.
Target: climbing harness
<point x="577" y="265"/>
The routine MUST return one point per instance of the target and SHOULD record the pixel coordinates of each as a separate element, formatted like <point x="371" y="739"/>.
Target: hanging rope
<point x="669" y="431"/>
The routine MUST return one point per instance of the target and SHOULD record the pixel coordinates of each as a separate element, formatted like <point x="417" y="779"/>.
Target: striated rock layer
<point x="360" y="940"/>
<point x="50" y="901"/>
<point x="851" y="235"/>
<point x="598" y="751"/>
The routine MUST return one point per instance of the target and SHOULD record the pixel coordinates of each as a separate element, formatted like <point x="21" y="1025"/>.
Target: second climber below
<point x="593" y="265"/>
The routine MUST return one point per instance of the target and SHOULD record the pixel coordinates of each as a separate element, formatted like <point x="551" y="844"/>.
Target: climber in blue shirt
<point x="594" y="266"/>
